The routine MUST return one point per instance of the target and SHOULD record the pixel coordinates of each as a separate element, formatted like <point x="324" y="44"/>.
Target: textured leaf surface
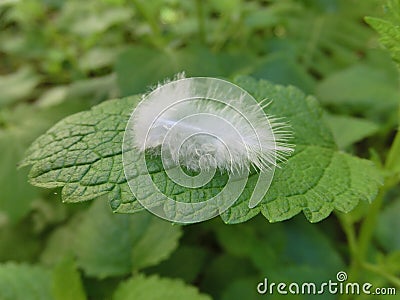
<point x="24" y="282"/>
<point x="155" y="288"/>
<point x="83" y="154"/>
<point x="389" y="29"/>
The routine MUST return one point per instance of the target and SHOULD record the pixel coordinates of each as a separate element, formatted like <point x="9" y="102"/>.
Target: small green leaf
<point x="363" y="89"/>
<point x="243" y="288"/>
<point x="185" y="263"/>
<point x="108" y="244"/>
<point x="11" y="151"/>
<point x="17" y="86"/>
<point x="98" y="57"/>
<point x="389" y="29"/>
<point x="155" y="288"/>
<point x="283" y="69"/>
<point x="19" y="242"/>
<point x="67" y="282"/>
<point x="307" y="253"/>
<point x="388" y="227"/>
<point x="91" y="24"/>
<point x="348" y="130"/>
<point x="225" y="268"/>
<point x="60" y="244"/>
<point x="24" y="282"/>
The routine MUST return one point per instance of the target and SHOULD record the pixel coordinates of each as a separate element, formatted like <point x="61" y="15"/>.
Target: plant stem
<point x="359" y="247"/>
<point x="349" y="231"/>
<point x="367" y="227"/>
<point x="376" y="269"/>
<point x="200" y="20"/>
<point x="313" y="41"/>
<point x="157" y="37"/>
<point x="392" y="160"/>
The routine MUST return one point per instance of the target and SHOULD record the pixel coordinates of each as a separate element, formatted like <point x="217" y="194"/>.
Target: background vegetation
<point x="60" y="57"/>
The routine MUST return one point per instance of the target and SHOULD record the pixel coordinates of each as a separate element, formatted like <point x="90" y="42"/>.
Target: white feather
<point x="205" y="133"/>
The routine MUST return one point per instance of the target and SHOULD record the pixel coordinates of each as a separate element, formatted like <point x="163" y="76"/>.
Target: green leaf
<point x="24" y="282"/>
<point x="320" y="34"/>
<point x="388" y="226"/>
<point x="17" y="86"/>
<point x="305" y="250"/>
<point x="157" y="65"/>
<point x="348" y="130"/>
<point x="91" y="24"/>
<point x="389" y="28"/>
<point x="98" y="57"/>
<point x="294" y="251"/>
<point x="223" y="269"/>
<point x="283" y="69"/>
<point x="244" y="289"/>
<point x="82" y="154"/>
<point x="19" y="242"/>
<point x="185" y="263"/>
<point x="107" y="244"/>
<point x="362" y="88"/>
<point x="67" y="282"/>
<point x="155" y="288"/>
<point x="60" y="243"/>
<point x="12" y="148"/>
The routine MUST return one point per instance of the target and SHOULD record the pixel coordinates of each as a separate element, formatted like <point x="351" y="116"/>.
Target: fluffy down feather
<point x="205" y="132"/>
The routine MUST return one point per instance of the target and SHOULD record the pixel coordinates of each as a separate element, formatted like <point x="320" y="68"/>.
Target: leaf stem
<point x="200" y="20"/>
<point x="359" y="247"/>
<point x="388" y="276"/>
<point x="313" y="41"/>
<point x="157" y="36"/>
<point x="350" y="233"/>
<point x="367" y="227"/>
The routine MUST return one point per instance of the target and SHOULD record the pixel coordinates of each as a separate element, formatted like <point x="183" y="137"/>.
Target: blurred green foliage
<point x="60" y="57"/>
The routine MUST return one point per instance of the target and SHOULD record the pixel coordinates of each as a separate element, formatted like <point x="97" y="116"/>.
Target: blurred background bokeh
<point x="60" y="57"/>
